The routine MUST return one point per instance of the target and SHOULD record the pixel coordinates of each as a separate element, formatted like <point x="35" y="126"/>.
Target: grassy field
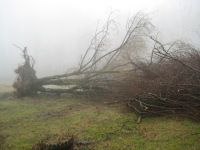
<point x="25" y="122"/>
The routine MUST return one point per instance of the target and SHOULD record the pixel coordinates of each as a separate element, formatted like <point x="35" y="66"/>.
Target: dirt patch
<point x="2" y="140"/>
<point x="67" y="145"/>
<point x="57" y="113"/>
<point x="60" y="141"/>
<point x="54" y="113"/>
<point x="3" y="109"/>
<point x="7" y="95"/>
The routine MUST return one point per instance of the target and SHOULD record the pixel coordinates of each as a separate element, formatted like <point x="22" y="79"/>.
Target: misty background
<point x="57" y="32"/>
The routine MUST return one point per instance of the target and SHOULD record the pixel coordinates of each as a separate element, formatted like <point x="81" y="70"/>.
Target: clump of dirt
<point x="59" y="142"/>
<point x="59" y="145"/>
<point x="26" y="75"/>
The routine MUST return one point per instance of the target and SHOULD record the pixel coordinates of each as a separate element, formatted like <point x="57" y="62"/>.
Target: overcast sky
<point x="57" y="32"/>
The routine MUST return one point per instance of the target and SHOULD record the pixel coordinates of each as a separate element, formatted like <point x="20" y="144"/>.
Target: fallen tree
<point x="98" y="67"/>
<point x="166" y="83"/>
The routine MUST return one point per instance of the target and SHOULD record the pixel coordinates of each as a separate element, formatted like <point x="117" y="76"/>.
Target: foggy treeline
<point x="58" y="32"/>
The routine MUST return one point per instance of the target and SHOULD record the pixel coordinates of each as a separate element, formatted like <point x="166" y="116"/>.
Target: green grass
<point x="25" y="122"/>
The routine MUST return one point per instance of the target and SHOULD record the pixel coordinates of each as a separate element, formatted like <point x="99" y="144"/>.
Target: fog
<point x="57" y="32"/>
